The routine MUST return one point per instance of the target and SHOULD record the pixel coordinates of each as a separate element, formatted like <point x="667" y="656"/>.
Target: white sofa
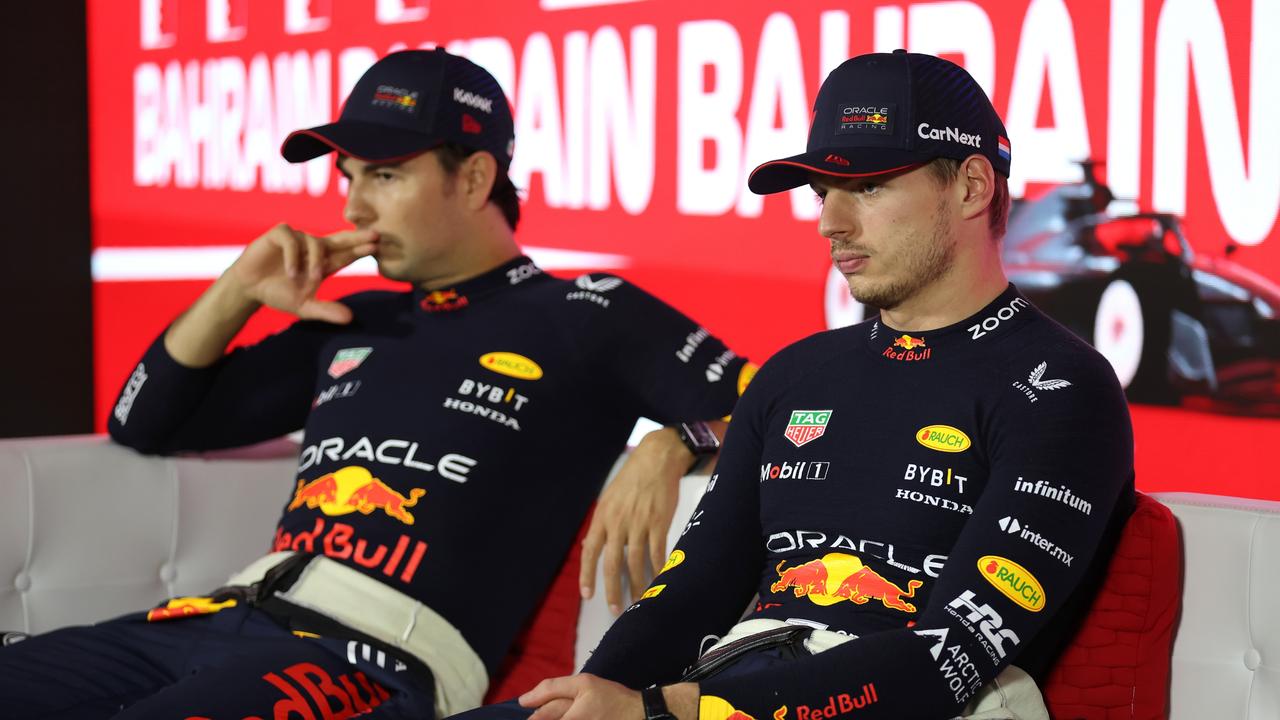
<point x="89" y="530"/>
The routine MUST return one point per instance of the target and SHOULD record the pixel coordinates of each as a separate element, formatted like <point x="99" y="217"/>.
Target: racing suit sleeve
<point x="251" y="394"/>
<point x="675" y="369"/>
<point x="709" y="578"/>
<point x="1059" y="466"/>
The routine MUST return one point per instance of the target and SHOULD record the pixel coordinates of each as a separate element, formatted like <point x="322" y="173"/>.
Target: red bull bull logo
<point x="711" y="707"/>
<point x="443" y="301"/>
<point x="837" y="577"/>
<point x="354" y="489"/>
<point x="907" y="342"/>
<point x="187" y="607"/>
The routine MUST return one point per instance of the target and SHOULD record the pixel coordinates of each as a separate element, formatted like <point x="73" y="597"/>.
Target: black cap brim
<point x="792" y="172"/>
<point x="369" y="142"/>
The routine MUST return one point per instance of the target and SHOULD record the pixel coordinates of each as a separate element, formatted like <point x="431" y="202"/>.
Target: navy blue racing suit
<point x="950" y="497"/>
<point x="454" y="439"/>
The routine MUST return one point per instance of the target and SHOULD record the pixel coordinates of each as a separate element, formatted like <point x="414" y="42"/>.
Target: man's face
<point x="414" y="207"/>
<point x="891" y="235"/>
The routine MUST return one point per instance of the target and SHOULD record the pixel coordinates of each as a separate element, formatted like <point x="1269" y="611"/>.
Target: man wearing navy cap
<point x="913" y="510"/>
<point x="456" y="435"/>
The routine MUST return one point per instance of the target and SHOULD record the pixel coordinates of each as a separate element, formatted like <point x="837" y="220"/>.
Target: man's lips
<point x="849" y="263"/>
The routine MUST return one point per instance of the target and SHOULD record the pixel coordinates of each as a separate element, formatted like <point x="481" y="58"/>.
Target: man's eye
<point x="819" y="197"/>
<point x="869" y="189"/>
<point x="384" y="175"/>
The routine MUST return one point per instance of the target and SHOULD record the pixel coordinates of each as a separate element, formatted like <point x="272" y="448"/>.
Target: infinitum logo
<point x="1060" y="494"/>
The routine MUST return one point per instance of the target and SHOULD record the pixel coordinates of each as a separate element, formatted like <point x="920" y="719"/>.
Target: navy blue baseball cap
<point x="884" y="112"/>
<point x="409" y="102"/>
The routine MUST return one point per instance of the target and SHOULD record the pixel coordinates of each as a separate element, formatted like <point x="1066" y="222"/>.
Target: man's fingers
<point x="349" y="238"/>
<point x="590" y="554"/>
<point x="657" y="550"/>
<point x="316" y="252"/>
<point x="553" y="710"/>
<point x="338" y="259"/>
<point x="288" y="244"/>
<point x="547" y="690"/>
<point x="636" y="551"/>
<point x="613" y="574"/>
<point x="326" y="310"/>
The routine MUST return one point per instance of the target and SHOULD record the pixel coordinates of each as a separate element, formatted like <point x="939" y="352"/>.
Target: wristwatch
<point x="655" y="706"/>
<point x="700" y="439"/>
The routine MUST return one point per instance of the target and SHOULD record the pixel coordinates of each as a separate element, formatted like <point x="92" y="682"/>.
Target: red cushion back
<point x="1117" y="665"/>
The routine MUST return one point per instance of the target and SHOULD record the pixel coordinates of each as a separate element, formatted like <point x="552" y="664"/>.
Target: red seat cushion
<point x="545" y="647"/>
<point x="1117" y="665"/>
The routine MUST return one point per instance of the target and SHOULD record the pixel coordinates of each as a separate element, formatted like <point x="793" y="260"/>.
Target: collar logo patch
<point x="806" y="426"/>
<point x="911" y="351"/>
<point x="444" y="301"/>
<point x="346" y="360"/>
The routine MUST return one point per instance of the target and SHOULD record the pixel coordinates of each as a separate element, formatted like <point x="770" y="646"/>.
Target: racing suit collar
<point x="513" y="272"/>
<point x="997" y="320"/>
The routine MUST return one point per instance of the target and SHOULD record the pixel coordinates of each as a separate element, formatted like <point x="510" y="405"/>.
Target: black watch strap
<point x="700" y="439"/>
<point x="655" y="705"/>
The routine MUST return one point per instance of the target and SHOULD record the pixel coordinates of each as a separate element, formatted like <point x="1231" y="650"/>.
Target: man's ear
<point x="975" y="185"/>
<point x="476" y="178"/>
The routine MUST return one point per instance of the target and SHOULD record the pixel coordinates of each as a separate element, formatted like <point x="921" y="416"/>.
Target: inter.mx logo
<point x="806" y="426"/>
<point x="1010" y="525"/>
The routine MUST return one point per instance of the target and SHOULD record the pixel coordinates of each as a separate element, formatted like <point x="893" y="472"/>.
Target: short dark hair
<point x="503" y="194"/>
<point x="946" y="170"/>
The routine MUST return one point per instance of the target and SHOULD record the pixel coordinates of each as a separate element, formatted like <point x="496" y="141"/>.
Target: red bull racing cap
<point x="409" y="102"/>
<point x="884" y="112"/>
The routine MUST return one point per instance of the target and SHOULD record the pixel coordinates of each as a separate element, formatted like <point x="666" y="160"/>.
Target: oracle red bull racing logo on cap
<point x="354" y="489"/>
<point x="837" y="577"/>
<point x="943" y="438"/>
<point x="346" y="360"/>
<point x="1014" y="581"/>
<point x="806" y="426"/>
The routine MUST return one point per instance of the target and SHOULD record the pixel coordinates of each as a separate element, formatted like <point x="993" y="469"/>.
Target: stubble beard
<point x="921" y="269"/>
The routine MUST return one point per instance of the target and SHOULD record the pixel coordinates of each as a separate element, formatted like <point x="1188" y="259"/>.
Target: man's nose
<point x="837" y="220"/>
<point x="357" y="211"/>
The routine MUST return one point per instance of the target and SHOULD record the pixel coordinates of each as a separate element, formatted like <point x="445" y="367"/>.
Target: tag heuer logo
<point x="346" y="360"/>
<point x="807" y="426"/>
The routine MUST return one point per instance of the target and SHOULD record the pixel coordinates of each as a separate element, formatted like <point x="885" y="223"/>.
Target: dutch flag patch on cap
<point x="1002" y="146"/>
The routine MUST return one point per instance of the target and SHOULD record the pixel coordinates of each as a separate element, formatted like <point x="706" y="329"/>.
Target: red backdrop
<point x="636" y="125"/>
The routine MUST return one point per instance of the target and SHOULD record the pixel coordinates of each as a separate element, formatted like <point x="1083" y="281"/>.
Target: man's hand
<point x="284" y="267"/>
<point x="587" y="697"/>
<point x="635" y="511"/>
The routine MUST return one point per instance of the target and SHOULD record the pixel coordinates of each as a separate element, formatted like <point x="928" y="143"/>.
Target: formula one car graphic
<point x="1177" y="325"/>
